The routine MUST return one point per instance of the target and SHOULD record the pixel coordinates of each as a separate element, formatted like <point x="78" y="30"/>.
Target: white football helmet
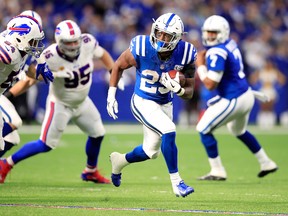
<point x="172" y="25"/>
<point x="26" y="34"/>
<point x="32" y="14"/>
<point x="216" y="24"/>
<point x="68" y="38"/>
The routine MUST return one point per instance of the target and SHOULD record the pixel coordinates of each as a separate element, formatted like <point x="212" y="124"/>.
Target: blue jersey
<point x="226" y="57"/>
<point x="150" y="67"/>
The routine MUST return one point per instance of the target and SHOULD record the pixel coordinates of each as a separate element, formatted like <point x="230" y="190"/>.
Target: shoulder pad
<point x="8" y="53"/>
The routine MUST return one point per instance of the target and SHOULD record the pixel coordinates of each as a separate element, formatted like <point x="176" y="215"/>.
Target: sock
<point x="170" y="151"/>
<point x="250" y="141"/>
<point x="137" y="155"/>
<point x="8" y="146"/>
<point x="92" y="151"/>
<point x="217" y="169"/>
<point x="6" y="129"/>
<point x="262" y="156"/>
<point x="175" y="178"/>
<point x="210" y="144"/>
<point x="28" y="150"/>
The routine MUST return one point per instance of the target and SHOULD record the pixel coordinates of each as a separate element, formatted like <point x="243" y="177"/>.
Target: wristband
<point x="202" y="72"/>
<point x="8" y="95"/>
<point x="180" y="92"/>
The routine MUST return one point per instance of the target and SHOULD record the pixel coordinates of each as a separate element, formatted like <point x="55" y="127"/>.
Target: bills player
<point x="9" y="112"/>
<point x="151" y="104"/>
<point x="71" y="60"/>
<point x="221" y="68"/>
<point x="23" y="37"/>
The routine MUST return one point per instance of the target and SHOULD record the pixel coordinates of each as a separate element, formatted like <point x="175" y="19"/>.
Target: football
<point x="182" y="79"/>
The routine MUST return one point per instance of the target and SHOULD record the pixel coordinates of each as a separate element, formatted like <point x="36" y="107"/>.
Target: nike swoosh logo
<point x="172" y="85"/>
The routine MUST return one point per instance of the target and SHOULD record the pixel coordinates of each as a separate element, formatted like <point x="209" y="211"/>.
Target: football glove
<point x="64" y="74"/>
<point x="44" y="70"/>
<point x="261" y="96"/>
<point x="112" y="104"/>
<point x="172" y="84"/>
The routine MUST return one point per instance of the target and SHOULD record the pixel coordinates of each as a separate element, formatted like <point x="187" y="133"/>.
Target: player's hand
<point x="45" y="72"/>
<point x="22" y="75"/>
<point x="169" y="83"/>
<point x="64" y="74"/>
<point x="112" y="104"/>
<point x="261" y="96"/>
<point x="121" y="84"/>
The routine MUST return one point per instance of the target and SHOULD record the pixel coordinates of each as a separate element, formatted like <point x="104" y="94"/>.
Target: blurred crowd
<point x="259" y="26"/>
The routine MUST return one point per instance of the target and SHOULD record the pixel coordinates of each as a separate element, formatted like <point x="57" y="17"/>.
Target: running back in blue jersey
<point x="150" y="67"/>
<point x="227" y="58"/>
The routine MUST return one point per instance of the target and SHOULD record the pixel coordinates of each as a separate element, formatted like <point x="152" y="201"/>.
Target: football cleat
<point x="118" y="162"/>
<point x="95" y="177"/>
<point x="267" y="168"/>
<point x="4" y="170"/>
<point x="209" y="177"/>
<point x="116" y="179"/>
<point x="182" y="189"/>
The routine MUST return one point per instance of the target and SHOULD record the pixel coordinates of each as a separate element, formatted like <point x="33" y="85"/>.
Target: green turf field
<point x="50" y="184"/>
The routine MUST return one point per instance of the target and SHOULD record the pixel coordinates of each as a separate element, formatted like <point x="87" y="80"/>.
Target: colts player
<point x="151" y="104"/>
<point x="221" y="68"/>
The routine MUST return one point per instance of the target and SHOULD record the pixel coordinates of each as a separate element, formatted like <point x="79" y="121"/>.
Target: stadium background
<point x="259" y="26"/>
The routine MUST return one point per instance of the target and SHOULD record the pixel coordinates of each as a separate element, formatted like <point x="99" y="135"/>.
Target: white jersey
<point x="11" y="62"/>
<point x="72" y="91"/>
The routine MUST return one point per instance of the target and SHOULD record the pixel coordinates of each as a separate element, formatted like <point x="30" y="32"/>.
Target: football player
<point x="23" y="37"/>
<point x="71" y="60"/>
<point x="220" y="67"/>
<point x="153" y="57"/>
<point x="9" y="112"/>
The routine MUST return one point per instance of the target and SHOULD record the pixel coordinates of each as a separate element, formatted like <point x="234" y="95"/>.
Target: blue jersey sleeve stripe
<point x="5" y="54"/>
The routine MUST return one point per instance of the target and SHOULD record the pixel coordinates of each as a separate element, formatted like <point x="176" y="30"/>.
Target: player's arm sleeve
<point x="215" y="61"/>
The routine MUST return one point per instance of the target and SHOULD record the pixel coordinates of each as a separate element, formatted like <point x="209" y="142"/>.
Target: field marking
<point x="137" y="129"/>
<point x="141" y="209"/>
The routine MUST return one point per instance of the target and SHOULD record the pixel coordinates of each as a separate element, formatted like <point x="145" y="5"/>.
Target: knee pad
<point x="17" y="121"/>
<point x="13" y="137"/>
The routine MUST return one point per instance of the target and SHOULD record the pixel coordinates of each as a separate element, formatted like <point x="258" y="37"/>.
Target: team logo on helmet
<point x="58" y="31"/>
<point x="20" y="29"/>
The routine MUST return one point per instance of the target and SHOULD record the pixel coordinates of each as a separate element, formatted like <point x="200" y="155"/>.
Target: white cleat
<point x="266" y="168"/>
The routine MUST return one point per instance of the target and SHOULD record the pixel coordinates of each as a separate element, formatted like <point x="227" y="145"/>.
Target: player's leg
<point x="56" y="118"/>
<point x="238" y="128"/>
<point x="157" y="122"/>
<point x="89" y="121"/>
<point x="215" y="116"/>
<point x="12" y="121"/>
<point x="11" y="140"/>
